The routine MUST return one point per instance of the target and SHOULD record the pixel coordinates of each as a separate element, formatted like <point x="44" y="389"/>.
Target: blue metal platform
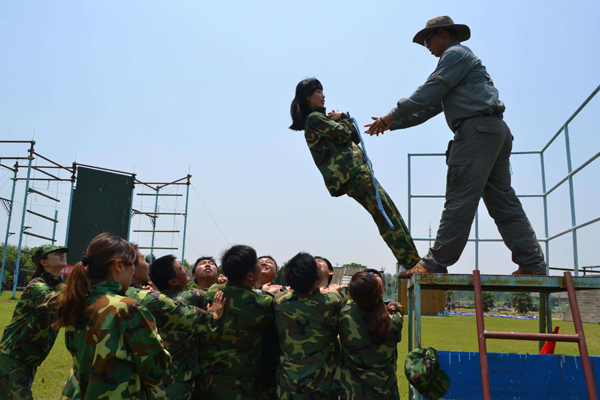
<point x="517" y="376"/>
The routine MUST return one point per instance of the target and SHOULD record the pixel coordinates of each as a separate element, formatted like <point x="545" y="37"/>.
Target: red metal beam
<point x="585" y="357"/>
<point x="548" y="337"/>
<point x="483" y="360"/>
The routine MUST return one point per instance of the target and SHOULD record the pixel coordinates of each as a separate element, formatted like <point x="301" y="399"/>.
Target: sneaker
<point x="417" y="269"/>
<point x="522" y="272"/>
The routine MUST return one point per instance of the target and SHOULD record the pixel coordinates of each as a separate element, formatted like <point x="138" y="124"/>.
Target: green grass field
<point x="452" y="333"/>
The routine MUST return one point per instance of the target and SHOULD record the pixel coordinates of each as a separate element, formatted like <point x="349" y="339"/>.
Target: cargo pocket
<point x="490" y="129"/>
<point x="456" y="170"/>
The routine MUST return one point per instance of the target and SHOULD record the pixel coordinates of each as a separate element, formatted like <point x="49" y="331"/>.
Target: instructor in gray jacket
<point x="477" y="158"/>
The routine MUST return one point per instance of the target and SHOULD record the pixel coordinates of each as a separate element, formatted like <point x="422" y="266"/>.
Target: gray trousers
<point x="478" y="166"/>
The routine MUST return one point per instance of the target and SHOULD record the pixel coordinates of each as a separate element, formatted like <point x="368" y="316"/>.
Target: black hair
<point x="40" y="269"/>
<point x="211" y="259"/>
<point x="367" y="294"/>
<point x="272" y="259"/>
<point x="328" y="266"/>
<point x="238" y="261"/>
<point x="101" y="254"/>
<point x="161" y="270"/>
<point x="374" y="271"/>
<point x="301" y="272"/>
<point x="300" y="109"/>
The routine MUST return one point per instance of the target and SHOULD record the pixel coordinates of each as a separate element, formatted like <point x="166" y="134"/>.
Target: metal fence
<point x="568" y="179"/>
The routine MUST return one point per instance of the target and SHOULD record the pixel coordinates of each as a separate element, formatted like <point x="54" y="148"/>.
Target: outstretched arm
<point x="417" y="118"/>
<point x="425" y="102"/>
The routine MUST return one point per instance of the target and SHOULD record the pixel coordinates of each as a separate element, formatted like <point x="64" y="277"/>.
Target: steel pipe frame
<point x="39" y="236"/>
<point x="543" y="195"/>
<point x="12" y="198"/>
<point x="17" y="264"/>
<point x="187" y="196"/>
<point x="42" y="216"/>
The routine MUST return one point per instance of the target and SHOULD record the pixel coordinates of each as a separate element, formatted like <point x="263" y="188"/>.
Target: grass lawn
<point x="451" y="333"/>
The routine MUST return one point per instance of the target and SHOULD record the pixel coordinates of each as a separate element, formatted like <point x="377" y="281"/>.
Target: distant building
<point x="342" y="275"/>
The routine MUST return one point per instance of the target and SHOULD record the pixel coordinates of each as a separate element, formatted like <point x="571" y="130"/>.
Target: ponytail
<point x="74" y="297"/>
<point x="367" y="293"/>
<point x="102" y="252"/>
<point x="299" y="109"/>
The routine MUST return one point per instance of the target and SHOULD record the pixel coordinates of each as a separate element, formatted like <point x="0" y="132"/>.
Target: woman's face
<point x="325" y="272"/>
<point x="317" y="99"/>
<point x="123" y="272"/>
<point x="141" y="270"/>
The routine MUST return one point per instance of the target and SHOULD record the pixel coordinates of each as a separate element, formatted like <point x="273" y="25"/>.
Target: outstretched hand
<point x="269" y="287"/>
<point x="379" y="125"/>
<point x="218" y="306"/>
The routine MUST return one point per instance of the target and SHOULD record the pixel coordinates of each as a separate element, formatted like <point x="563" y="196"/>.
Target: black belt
<point x="492" y="114"/>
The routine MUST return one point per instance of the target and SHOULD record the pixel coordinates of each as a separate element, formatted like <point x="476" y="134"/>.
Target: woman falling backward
<point x="333" y="142"/>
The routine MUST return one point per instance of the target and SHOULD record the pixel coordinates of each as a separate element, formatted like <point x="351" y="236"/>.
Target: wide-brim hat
<point x="462" y="31"/>
<point x="422" y="369"/>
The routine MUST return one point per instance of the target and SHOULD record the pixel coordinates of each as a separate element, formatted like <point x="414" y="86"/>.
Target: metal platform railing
<point x="544" y="195"/>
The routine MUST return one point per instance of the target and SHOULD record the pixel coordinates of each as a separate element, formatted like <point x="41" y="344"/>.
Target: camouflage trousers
<point x="361" y="189"/>
<point x="16" y="379"/>
<point x="228" y="387"/>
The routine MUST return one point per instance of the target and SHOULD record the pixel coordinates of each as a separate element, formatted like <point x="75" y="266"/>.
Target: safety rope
<point x="375" y="183"/>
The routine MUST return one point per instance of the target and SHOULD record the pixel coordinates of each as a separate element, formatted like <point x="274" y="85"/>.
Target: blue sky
<point x="163" y="88"/>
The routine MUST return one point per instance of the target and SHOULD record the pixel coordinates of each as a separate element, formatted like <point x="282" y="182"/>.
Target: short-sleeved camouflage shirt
<point x="307" y="327"/>
<point x="179" y="326"/>
<point x="366" y="370"/>
<point x="232" y="352"/>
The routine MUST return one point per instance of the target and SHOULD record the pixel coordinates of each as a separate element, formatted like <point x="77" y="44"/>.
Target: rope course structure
<point x="49" y="171"/>
<point x="161" y="190"/>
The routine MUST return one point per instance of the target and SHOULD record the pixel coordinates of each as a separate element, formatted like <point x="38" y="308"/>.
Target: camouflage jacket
<point x="334" y="148"/>
<point x="188" y="297"/>
<point x="366" y="371"/>
<point x="28" y="337"/>
<point x="116" y="349"/>
<point x="178" y="326"/>
<point x="233" y="350"/>
<point x="307" y="327"/>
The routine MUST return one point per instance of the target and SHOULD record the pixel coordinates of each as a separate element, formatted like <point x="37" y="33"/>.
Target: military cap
<point x="42" y="251"/>
<point x="422" y="369"/>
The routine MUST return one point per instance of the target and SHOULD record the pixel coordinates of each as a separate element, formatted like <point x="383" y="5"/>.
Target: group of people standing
<point x="242" y="337"/>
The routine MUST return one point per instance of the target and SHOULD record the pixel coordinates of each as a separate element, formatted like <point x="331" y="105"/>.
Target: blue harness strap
<point x="375" y="183"/>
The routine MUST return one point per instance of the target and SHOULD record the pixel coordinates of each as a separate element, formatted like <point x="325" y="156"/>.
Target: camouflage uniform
<point x="334" y="148"/>
<point x="268" y="363"/>
<point x="117" y="351"/>
<point x="28" y="338"/>
<point x="422" y="369"/>
<point x="180" y="338"/>
<point x="307" y="327"/>
<point x="366" y="371"/>
<point x="229" y="357"/>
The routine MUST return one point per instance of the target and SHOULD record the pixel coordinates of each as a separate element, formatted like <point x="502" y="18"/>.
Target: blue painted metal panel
<point x="517" y="376"/>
